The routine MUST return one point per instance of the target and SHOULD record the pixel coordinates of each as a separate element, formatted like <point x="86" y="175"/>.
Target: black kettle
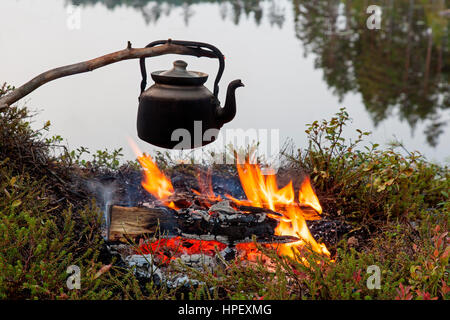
<point x="178" y="111"/>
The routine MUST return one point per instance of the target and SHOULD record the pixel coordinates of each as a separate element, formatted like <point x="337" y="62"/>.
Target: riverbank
<point x="395" y="201"/>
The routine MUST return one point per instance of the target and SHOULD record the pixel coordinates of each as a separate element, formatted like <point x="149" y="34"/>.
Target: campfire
<point x="202" y="223"/>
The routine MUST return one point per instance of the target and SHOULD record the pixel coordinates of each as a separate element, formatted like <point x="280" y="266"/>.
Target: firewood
<point x="131" y="222"/>
<point x="223" y="226"/>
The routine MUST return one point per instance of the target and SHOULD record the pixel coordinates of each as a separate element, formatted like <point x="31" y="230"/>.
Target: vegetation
<point x="366" y="184"/>
<point x="408" y="271"/>
<point x="400" y="200"/>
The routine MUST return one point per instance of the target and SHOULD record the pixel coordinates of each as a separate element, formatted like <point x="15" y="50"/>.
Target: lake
<point x="300" y="61"/>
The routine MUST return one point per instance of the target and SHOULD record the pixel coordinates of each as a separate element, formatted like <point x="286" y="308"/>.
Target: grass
<point x="420" y="267"/>
<point x="397" y="197"/>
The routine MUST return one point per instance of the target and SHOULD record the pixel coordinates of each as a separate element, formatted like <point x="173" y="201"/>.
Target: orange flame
<point x="262" y="191"/>
<point x="154" y="181"/>
<point x="307" y="196"/>
<point x="205" y="185"/>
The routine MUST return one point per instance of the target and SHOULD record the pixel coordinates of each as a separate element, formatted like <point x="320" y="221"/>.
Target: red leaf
<point x="446" y="253"/>
<point x="436" y="253"/>
<point x="445" y="289"/>
<point x="438" y="227"/>
<point x="403" y="293"/>
<point x="357" y="276"/>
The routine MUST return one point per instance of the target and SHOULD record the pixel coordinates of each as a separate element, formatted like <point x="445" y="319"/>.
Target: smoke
<point x="104" y="193"/>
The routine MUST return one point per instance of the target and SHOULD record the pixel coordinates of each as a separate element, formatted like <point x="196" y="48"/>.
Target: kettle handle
<point x="190" y="44"/>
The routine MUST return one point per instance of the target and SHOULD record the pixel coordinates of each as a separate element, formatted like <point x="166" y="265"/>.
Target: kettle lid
<point x="180" y="75"/>
<point x="179" y="70"/>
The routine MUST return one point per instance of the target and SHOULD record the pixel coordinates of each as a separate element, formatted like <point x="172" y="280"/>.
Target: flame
<point x="206" y="189"/>
<point x="154" y="181"/>
<point x="307" y="196"/>
<point x="262" y="191"/>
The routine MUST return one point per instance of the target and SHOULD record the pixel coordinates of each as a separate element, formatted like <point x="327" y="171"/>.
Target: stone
<point x="144" y="267"/>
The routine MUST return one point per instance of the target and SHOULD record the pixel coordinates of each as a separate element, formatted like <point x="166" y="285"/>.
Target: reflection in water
<point x="402" y="68"/>
<point x="232" y="9"/>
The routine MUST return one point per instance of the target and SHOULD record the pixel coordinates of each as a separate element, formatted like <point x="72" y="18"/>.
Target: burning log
<point x="130" y="222"/>
<point x="220" y="223"/>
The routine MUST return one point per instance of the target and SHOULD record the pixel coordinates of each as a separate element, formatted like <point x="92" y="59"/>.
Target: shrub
<point x="366" y="184"/>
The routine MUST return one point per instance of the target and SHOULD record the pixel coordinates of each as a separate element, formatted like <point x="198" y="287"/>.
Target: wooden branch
<point x="130" y="223"/>
<point x="90" y="65"/>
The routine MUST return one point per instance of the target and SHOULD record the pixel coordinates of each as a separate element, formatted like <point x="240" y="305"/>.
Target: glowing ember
<point x="169" y="249"/>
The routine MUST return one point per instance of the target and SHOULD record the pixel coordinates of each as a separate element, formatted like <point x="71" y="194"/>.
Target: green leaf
<point x="16" y="203"/>
<point x="12" y="182"/>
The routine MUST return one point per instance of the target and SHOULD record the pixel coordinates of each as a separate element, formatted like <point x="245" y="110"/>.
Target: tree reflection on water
<point x="403" y="66"/>
<point x="152" y="10"/>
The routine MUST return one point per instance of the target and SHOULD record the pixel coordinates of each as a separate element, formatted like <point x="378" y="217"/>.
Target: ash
<point x="147" y="267"/>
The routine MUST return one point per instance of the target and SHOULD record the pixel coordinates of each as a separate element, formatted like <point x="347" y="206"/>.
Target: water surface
<point x="300" y="60"/>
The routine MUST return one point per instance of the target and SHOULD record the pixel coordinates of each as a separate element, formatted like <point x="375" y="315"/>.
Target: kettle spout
<point x="228" y="112"/>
